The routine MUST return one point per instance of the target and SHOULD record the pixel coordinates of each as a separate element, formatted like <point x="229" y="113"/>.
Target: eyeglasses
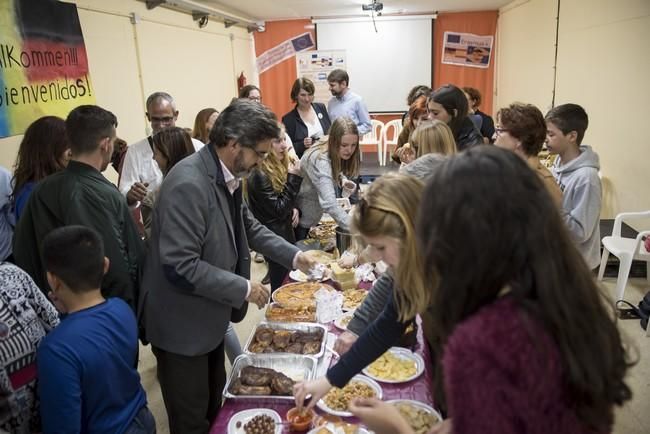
<point x="161" y="119"/>
<point x="261" y="155"/>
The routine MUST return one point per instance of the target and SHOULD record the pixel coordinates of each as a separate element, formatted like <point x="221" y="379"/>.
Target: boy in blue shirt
<point x="88" y="382"/>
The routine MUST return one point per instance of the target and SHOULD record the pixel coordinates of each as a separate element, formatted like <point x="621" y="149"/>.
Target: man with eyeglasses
<point x="197" y="274"/>
<point x="140" y="173"/>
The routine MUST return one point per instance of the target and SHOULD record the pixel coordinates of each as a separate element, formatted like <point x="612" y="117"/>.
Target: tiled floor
<point x="633" y="418"/>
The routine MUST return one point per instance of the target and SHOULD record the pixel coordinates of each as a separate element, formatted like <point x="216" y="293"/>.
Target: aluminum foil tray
<point x="307" y="327"/>
<point x="297" y="367"/>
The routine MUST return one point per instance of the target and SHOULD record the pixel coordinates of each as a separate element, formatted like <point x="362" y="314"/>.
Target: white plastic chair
<point x="373" y="137"/>
<point x="626" y="250"/>
<point x="396" y="127"/>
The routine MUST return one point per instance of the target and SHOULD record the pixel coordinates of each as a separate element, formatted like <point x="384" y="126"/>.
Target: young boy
<point x="86" y="366"/>
<point x="576" y="171"/>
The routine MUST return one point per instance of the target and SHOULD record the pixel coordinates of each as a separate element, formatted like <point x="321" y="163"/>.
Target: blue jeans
<point x="142" y="423"/>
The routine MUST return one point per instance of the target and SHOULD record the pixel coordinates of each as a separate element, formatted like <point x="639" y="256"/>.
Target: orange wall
<point x="479" y="23"/>
<point x="275" y="83"/>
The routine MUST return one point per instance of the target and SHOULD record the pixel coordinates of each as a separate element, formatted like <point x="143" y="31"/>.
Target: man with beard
<point x="344" y="102"/>
<point x="198" y="269"/>
<point x="81" y="195"/>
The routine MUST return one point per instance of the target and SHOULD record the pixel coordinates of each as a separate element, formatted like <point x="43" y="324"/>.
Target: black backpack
<point x="644" y="310"/>
<point x="627" y="310"/>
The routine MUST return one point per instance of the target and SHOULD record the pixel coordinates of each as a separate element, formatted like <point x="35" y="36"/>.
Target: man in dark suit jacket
<point x="197" y="272"/>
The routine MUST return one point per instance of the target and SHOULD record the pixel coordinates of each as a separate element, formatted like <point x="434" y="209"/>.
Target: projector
<point x="374" y="6"/>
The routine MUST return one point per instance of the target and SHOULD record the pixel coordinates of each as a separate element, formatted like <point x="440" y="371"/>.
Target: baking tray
<point x="297" y="367"/>
<point x="308" y="317"/>
<point x="307" y="327"/>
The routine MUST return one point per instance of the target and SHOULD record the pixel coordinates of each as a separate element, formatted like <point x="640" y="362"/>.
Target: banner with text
<point x="316" y="66"/>
<point x="466" y="49"/>
<point x="43" y="63"/>
<point x="283" y="51"/>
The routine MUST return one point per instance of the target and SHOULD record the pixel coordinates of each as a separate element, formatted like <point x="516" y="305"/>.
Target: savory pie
<point x="323" y="231"/>
<point x="352" y="298"/>
<point x="298" y="294"/>
<point x="296" y="313"/>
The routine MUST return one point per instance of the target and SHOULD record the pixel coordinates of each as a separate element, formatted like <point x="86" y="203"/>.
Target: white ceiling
<point x="266" y="10"/>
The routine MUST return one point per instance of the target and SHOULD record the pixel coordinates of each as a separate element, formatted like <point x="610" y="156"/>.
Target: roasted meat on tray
<point x="261" y="381"/>
<point x="268" y="340"/>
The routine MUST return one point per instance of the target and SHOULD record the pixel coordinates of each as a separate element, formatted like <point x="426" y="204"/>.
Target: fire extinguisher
<point x="241" y="81"/>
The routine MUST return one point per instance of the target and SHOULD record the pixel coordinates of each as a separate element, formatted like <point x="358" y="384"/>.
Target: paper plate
<point x="246" y="415"/>
<point x="418" y="405"/>
<point x="331" y="429"/>
<point x="357" y="378"/>
<point x="402" y="353"/>
<point x="299" y="276"/>
<point x="339" y="322"/>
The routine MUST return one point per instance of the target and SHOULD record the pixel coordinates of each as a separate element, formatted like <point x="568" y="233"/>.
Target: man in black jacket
<point x="81" y="195"/>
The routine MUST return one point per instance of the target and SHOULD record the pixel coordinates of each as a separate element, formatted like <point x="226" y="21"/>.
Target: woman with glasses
<point x="308" y="121"/>
<point x="252" y="92"/>
<point x="521" y="128"/>
<point x="331" y="170"/>
<point x="272" y="189"/>
<point x="449" y="104"/>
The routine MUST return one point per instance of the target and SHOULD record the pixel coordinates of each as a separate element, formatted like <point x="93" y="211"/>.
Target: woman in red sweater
<point x="530" y="342"/>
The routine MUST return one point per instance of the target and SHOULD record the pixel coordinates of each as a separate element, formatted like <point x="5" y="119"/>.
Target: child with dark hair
<point x="576" y="171"/>
<point x="88" y="381"/>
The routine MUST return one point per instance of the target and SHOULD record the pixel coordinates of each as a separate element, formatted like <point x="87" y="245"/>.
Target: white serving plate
<point x="333" y="430"/>
<point x="360" y="378"/>
<point x="338" y="322"/>
<point x="299" y="276"/>
<point x="402" y="353"/>
<point x="246" y="415"/>
<point x="417" y="404"/>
